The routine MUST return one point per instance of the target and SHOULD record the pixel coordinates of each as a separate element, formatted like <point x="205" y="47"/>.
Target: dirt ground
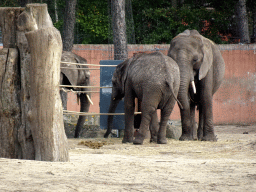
<point x="226" y="165"/>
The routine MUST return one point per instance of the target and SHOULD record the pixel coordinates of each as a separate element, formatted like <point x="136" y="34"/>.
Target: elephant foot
<point x="186" y="138"/>
<point x="127" y="140"/>
<point x="209" y="137"/>
<point x="138" y="139"/>
<point x="200" y="136"/>
<point x="162" y="141"/>
<point x="106" y="135"/>
<point x="153" y="139"/>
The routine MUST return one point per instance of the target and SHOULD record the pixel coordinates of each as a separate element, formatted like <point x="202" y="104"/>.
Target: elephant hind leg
<point x="165" y="114"/>
<point x="148" y="112"/>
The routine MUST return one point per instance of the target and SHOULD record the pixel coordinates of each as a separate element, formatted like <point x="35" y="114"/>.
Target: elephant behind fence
<point x="72" y="74"/>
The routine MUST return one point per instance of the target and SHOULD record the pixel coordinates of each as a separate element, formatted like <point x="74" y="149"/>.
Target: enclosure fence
<point x="62" y="87"/>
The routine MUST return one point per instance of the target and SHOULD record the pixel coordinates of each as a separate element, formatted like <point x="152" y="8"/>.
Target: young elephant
<point x="152" y="78"/>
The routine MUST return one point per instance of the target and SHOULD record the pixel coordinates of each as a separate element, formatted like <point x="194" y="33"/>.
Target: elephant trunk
<point x="84" y="107"/>
<point x="112" y="107"/>
<point x="186" y="81"/>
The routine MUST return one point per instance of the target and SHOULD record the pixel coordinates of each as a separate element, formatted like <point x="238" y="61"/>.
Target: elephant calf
<point x="152" y="78"/>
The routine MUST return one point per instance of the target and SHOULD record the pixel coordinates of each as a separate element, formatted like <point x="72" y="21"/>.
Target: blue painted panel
<point x="105" y="95"/>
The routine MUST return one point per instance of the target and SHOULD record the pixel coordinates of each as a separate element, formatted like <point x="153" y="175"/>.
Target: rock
<point x="173" y="129"/>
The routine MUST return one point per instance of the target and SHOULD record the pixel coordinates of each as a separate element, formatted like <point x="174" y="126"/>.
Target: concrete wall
<point x="234" y="102"/>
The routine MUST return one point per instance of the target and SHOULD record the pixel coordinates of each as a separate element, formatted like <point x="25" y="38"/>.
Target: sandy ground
<point x="226" y="165"/>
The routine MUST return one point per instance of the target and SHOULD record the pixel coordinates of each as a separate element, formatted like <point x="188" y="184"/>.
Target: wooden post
<point x="45" y="114"/>
<point x="9" y="103"/>
<point x="36" y="131"/>
<point x="8" y="24"/>
<point x="10" y="111"/>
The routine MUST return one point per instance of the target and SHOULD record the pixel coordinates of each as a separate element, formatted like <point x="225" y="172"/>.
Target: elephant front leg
<point x="187" y="129"/>
<point x="208" y="130"/>
<point x="129" y="106"/>
<point x="84" y="107"/>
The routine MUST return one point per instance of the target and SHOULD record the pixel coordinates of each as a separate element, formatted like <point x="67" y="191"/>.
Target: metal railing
<point x="96" y="87"/>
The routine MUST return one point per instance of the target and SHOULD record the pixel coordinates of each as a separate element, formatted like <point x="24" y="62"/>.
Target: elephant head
<point x="118" y="90"/>
<point x="74" y="75"/>
<point x="193" y="53"/>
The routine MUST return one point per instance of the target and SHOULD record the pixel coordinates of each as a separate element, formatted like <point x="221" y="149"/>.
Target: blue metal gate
<point x="105" y="95"/>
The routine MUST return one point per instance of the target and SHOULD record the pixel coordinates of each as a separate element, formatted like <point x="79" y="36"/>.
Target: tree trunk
<point x="242" y="21"/>
<point x="8" y="24"/>
<point x="69" y="25"/>
<point x="10" y="110"/>
<point x="47" y="122"/>
<point x="36" y="131"/>
<point x="119" y="29"/>
<point x="45" y="44"/>
<point x="9" y="103"/>
<point x="254" y="26"/>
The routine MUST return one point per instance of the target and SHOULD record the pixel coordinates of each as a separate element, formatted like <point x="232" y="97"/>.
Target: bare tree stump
<point x="47" y="125"/>
<point x="8" y="24"/>
<point x="9" y="103"/>
<point x="45" y="45"/>
<point x="36" y="131"/>
<point x="25" y="137"/>
<point x="27" y="21"/>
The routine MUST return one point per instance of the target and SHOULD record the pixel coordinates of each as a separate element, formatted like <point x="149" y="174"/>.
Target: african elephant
<point x="202" y="70"/>
<point x="72" y="75"/>
<point x="152" y="78"/>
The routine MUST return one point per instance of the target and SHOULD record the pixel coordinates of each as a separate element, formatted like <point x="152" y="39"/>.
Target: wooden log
<point x="8" y="25"/>
<point x="25" y="137"/>
<point x="36" y="131"/>
<point x="46" y="116"/>
<point x="9" y="103"/>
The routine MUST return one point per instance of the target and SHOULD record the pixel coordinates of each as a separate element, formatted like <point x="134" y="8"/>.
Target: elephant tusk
<point x="193" y="86"/>
<point x="89" y="99"/>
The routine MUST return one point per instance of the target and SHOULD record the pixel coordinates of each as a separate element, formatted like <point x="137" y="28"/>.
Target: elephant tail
<point x="172" y="93"/>
<point x="180" y="105"/>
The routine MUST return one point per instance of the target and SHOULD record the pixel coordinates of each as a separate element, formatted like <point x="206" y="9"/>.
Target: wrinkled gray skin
<point x="153" y="79"/>
<point x="76" y="78"/>
<point x="199" y="60"/>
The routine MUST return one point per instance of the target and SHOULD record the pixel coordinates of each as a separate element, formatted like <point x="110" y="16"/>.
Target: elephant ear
<point x="122" y="72"/>
<point x="208" y="57"/>
<point x="75" y="77"/>
<point x="70" y="74"/>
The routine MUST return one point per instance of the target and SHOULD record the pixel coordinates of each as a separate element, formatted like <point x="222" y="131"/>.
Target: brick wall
<point x="234" y="102"/>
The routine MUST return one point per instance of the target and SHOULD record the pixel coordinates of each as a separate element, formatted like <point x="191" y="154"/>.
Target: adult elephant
<point x="201" y="73"/>
<point x="152" y="78"/>
<point x="74" y="75"/>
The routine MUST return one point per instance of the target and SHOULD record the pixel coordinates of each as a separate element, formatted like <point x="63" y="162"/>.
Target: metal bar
<point x="91" y="114"/>
<point x="88" y="64"/>
<point x="80" y="68"/>
<point x="68" y="90"/>
<point x="84" y="86"/>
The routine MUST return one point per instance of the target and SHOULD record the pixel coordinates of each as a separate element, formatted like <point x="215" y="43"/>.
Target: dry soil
<point x="108" y="165"/>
